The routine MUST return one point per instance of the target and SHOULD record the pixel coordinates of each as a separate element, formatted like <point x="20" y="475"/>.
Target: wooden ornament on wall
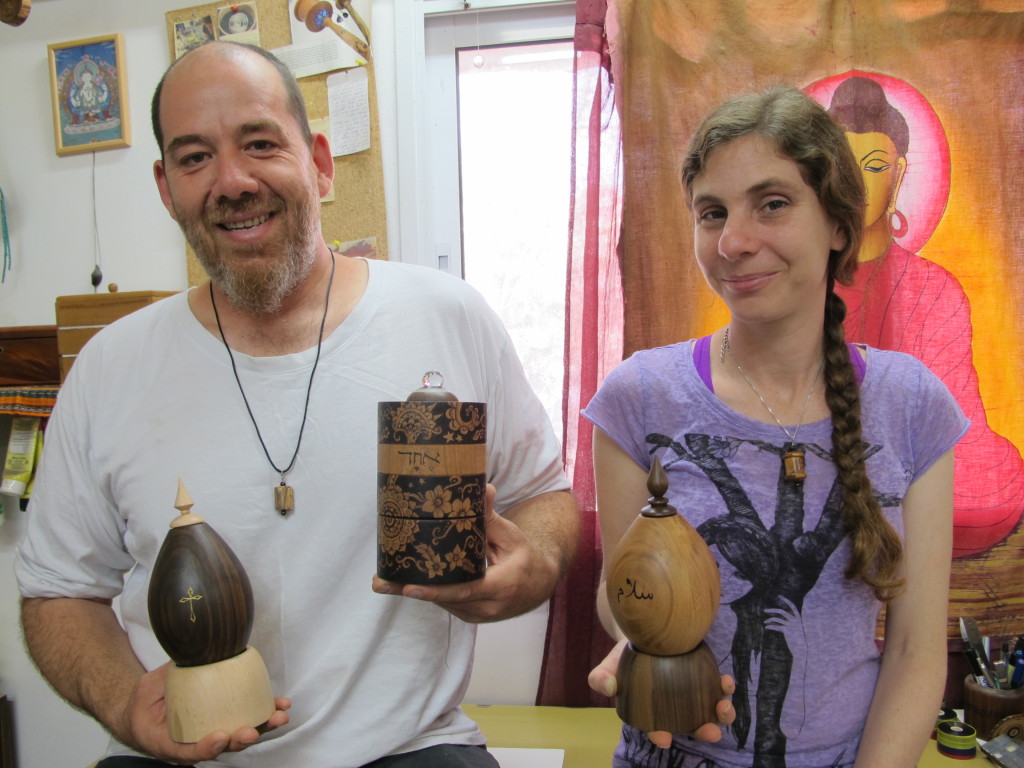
<point x="14" y="12"/>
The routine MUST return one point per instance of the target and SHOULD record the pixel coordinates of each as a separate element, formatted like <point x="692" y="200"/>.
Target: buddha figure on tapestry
<point x="903" y="301"/>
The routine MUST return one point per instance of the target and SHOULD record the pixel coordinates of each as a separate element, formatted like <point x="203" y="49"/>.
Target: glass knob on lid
<point x="433" y="388"/>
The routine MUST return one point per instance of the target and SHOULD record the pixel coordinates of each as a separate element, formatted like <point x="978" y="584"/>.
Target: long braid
<point x="877" y="549"/>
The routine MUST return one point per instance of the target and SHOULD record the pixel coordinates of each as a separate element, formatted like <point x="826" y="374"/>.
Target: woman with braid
<point x="837" y="457"/>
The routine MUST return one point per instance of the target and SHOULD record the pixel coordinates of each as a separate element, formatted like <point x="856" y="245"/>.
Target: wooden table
<point x="589" y="734"/>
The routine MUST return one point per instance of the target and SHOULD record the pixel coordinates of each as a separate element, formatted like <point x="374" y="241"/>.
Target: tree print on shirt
<point x="782" y="563"/>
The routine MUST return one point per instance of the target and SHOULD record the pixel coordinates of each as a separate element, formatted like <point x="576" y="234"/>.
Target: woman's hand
<point x="603" y="680"/>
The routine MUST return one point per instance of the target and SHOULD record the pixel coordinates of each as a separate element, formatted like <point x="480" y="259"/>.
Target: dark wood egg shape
<point x="200" y="600"/>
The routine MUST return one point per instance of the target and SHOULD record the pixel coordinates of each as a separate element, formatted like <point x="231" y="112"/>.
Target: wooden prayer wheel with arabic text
<point x="201" y="608"/>
<point x="431" y="484"/>
<point x="663" y="590"/>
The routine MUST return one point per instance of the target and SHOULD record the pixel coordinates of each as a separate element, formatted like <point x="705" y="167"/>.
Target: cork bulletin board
<point x="356" y="215"/>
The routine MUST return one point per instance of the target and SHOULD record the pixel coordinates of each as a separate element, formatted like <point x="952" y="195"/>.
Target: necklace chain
<point x="727" y="350"/>
<point x="309" y="387"/>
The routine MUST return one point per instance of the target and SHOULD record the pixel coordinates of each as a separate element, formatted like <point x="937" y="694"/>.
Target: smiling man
<point x="259" y="389"/>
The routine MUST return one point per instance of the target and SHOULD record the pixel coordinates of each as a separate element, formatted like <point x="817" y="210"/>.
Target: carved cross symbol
<point x="191" y="597"/>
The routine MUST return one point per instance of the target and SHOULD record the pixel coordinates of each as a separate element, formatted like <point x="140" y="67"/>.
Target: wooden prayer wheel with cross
<point x="201" y="608"/>
<point x="663" y="590"/>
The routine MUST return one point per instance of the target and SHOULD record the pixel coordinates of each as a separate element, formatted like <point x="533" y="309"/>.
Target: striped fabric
<point x="28" y="401"/>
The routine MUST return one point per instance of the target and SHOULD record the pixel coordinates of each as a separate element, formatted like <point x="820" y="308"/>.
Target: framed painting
<point x="89" y="93"/>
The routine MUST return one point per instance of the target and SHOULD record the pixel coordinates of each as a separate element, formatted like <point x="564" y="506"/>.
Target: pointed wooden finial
<point x="657" y="485"/>
<point x="183" y="503"/>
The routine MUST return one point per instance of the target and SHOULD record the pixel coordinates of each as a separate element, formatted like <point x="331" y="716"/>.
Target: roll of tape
<point x="957" y="740"/>
<point x="946" y="715"/>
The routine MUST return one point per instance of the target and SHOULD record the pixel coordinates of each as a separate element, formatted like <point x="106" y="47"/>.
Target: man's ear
<point x="324" y="162"/>
<point x="161" y="183"/>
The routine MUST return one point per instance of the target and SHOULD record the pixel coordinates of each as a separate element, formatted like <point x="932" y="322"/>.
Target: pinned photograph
<point x="238" y="23"/>
<point x="192" y="33"/>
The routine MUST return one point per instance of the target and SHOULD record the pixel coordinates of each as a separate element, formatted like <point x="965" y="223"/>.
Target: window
<point x="483" y="167"/>
<point x="515" y="110"/>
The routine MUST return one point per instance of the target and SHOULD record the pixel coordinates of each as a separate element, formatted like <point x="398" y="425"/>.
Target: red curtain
<point x="575" y="641"/>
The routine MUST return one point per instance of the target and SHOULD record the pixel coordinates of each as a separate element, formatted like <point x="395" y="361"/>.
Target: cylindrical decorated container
<point x="431" y="482"/>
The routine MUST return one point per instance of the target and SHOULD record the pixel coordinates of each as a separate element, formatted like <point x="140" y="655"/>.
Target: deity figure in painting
<point x="903" y="301"/>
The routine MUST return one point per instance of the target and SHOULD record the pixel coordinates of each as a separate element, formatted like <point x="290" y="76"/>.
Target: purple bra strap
<point x="859" y="363"/>
<point x="702" y="359"/>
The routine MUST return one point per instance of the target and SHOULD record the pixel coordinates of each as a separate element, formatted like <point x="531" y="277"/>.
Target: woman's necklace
<point x="284" y="494"/>
<point x="793" y="458"/>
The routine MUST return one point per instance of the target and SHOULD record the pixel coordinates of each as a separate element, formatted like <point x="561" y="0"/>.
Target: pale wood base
<point x="677" y="694"/>
<point x="224" y="696"/>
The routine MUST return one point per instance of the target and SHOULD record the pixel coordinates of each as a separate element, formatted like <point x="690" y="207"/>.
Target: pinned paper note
<point x="349" y="103"/>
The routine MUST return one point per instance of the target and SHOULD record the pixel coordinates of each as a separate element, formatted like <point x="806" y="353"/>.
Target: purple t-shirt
<point x="805" y="680"/>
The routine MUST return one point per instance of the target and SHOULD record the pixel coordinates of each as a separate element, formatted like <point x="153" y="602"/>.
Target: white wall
<point x="50" y="218"/>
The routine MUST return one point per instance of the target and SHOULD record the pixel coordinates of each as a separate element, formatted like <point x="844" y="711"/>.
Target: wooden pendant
<point x="793" y="460"/>
<point x="284" y="499"/>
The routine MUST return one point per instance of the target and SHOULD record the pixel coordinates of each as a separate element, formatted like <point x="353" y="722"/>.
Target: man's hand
<point x="602" y="679"/>
<point x="146" y="718"/>
<point x="520" y="575"/>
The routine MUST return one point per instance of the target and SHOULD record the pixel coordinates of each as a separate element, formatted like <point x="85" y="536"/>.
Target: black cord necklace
<point x="284" y="494"/>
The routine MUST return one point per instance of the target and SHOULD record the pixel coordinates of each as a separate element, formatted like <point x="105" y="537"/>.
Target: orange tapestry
<point x="929" y="96"/>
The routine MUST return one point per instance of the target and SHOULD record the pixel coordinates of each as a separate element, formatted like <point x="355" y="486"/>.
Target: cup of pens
<point x="992" y="710"/>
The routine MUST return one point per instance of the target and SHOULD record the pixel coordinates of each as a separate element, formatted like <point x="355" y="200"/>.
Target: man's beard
<point x="260" y="284"/>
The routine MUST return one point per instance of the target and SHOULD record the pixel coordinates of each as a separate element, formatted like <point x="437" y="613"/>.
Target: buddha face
<point x="882" y="169"/>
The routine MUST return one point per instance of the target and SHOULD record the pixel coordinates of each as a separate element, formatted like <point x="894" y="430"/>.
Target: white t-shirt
<point x="152" y="399"/>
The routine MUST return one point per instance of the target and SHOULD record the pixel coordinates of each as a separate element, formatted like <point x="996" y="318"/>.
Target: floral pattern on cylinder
<point x="431" y="483"/>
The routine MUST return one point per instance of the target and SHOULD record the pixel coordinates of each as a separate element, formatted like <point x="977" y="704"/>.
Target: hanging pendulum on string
<point x="284" y="497"/>
<point x="96" y="277"/>
<point x="284" y="494"/>
<point x="793" y="462"/>
<point x="793" y="455"/>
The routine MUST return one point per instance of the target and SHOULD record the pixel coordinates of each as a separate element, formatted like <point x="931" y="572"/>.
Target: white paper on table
<point x="509" y="757"/>
<point x="349" y="102"/>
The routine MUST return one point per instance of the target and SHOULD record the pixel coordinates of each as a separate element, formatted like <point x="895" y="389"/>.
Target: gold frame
<point x="102" y="121"/>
